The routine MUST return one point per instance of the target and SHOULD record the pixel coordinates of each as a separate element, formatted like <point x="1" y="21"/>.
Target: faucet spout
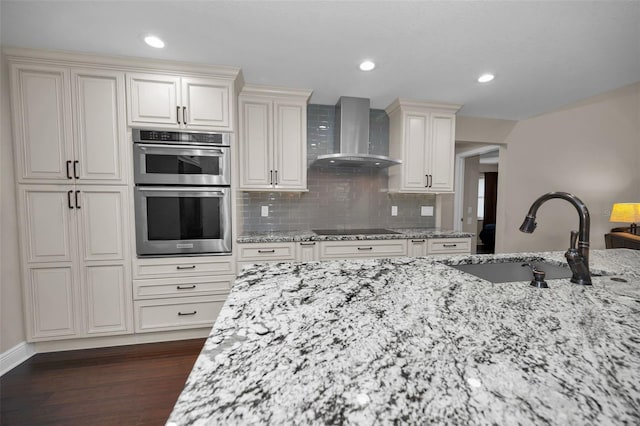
<point x="577" y="257"/>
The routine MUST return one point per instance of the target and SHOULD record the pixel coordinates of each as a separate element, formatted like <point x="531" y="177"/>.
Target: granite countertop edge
<point x="306" y="235"/>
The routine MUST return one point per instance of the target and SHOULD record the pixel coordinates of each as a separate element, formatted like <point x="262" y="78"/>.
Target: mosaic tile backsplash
<point x="345" y="198"/>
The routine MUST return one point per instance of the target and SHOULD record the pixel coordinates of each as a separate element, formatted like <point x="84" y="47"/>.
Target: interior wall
<point x="470" y="197"/>
<point x="590" y="149"/>
<point x="483" y="130"/>
<point x="11" y="316"/>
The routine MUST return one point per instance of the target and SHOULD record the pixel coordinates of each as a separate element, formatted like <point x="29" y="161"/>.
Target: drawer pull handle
<point x="449" y="245"/>
<point x="183" y="314"/>
<point x="186" y="267"/>
<point x="186" y="287"/>
<point x="267" y="251"/>
<point x="365" y="248"/>
<point x="417" y="241"/>
<point x="307" y="244"/>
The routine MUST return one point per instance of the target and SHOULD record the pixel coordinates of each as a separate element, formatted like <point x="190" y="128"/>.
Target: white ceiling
<point x="545" y="54"/>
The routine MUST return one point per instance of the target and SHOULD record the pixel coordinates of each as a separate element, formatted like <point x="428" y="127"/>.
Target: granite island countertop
<point x="307" y="235"/>
<point x="414" y="341"/>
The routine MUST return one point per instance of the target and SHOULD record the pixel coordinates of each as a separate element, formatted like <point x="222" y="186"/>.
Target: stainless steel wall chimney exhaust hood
<point x="352" y="138"/>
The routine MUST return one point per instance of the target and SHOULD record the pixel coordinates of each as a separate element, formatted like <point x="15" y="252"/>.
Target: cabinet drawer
<point x="366" y="248"/>
<point x="183" y="267"/>
<point x="449" y="245"/>
<point x="265" y="252"/>
<point x="179" y="287"/>
<point x="177" y="314"/>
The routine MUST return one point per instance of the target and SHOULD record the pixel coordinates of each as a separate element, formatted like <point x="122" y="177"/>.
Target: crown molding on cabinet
<point x="409" y="103"/>
<point x="279" y="91"/>
<point x="87" y="60"/>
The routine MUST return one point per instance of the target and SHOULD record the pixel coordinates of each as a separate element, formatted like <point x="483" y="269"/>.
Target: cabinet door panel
<point x="416" y="151"/>
<point x="290" y="146"/>
<point x="153" y="99"/>
<point x="47" y="224"/>
<point x="417" y="247"/>
<point x="442" y="152"/>
<point x="102" y="223"/>
<point x="107" y="300"/>
<point x="43" y="123"/>
<point x="207" y="103"/>
<point x="100" y="136"/>
<point x="53" y="308"/>
<point x="255" y="144"/>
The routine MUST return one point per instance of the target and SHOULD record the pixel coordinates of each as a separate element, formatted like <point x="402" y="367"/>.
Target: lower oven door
<point x="173" y="221"/>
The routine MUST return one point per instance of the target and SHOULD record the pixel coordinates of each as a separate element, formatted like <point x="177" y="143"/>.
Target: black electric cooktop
<point x="374" y="231"/>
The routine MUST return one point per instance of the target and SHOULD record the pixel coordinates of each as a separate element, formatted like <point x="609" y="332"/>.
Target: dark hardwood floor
<point x="127" y="385"/>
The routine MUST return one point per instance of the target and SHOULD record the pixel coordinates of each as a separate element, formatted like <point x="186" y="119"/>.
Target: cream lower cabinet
<point x="180" y="293"/>
<point x="422" y="135"/>
<point x="181" y="102"/>
<point x="417" y="247"/>
<point x="449" y="246"/>
<point x="75" y="260"/>
<point x="273" y="138"/>
<point x="426" y="246"/>
<point x="307" y="251"/>
<point x="362" y="249"/>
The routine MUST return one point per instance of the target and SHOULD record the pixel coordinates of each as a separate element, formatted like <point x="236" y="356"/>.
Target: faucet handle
<point x="573" y="242"/>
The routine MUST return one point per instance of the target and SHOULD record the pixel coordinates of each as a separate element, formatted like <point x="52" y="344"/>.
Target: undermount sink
<point x="514" y="271"/>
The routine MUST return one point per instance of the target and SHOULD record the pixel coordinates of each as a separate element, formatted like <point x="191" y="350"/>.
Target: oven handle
<point x="203" y="189"/>
<point x="187" y="149"/>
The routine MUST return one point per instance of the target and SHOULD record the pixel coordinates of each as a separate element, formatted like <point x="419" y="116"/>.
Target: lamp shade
<point x="625" y="212"/>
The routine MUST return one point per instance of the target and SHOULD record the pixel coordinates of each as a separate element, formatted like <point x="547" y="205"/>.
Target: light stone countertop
<point x="414" y="341"/>
<point x="297" y="236"/>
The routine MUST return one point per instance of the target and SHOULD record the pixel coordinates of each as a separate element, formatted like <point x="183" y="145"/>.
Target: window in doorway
<point x="481" y="197"/>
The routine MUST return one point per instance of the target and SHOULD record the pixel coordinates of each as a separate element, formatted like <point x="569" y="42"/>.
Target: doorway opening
<point x="475" y="200"/>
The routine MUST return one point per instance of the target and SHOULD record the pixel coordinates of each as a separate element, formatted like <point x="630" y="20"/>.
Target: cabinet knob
<point x="365" y="248"/>
<point x="267" y="251"/>
<point x="182" y="314"/>
<point x="186" y="267"/>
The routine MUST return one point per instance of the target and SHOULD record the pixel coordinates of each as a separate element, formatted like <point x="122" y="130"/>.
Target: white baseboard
<point x="15" y="356"/>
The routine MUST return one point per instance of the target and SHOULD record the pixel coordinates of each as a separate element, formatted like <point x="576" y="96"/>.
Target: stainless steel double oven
<point x="182" y="193"/>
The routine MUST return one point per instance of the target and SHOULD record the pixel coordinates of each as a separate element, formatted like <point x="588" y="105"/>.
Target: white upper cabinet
<point x="169" y="101"/>
<point x="422" y="135"/>
<point x="273" y="138"/>
<point x="99" y="106"/>
<point x="68" y="124"/>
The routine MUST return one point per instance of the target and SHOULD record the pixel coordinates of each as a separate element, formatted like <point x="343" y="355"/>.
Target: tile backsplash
<point x="344" y="198"/>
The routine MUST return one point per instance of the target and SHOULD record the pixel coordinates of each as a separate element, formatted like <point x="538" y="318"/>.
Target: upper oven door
<point x="165" y="164"/>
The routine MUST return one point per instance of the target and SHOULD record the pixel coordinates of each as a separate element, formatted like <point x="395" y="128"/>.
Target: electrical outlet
<point x="394" y="210"/>
<point x="426" y="210"/>
<point x="264" y="211"/>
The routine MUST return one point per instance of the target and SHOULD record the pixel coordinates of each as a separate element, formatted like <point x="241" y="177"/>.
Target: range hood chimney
<point x="352" y="138"/>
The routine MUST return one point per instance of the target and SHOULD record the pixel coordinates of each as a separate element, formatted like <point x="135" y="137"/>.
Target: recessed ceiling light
<point x="485" y="78"/>
<point x="367" y="66"/>
<point x="154" y="41"/>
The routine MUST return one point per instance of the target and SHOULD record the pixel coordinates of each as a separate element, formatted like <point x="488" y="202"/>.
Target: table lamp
<point x="626" y="212"/>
